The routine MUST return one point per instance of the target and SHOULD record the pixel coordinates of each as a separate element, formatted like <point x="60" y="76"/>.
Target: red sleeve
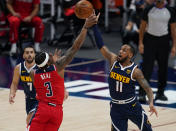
<point x="36" y="1"/>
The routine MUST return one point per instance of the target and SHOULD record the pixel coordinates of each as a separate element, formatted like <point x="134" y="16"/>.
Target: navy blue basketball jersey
<point x="121" y="83"/>
<point x="26" y="80"/>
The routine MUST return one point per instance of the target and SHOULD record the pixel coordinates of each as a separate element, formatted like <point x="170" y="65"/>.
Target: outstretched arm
<point x="14" y="84"/>
<point x="110" y="56"/>
<point x="70" y="53"/>
<point x="138" y="75"/>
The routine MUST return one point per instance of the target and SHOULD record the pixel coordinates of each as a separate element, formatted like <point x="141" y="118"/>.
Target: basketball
<point x="83" y="9"/>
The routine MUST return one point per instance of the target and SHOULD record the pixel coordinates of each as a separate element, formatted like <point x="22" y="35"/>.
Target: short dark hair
<point x="40" y="58"/>
<point x="132" y="49"/>
<point x="29" y="46"/>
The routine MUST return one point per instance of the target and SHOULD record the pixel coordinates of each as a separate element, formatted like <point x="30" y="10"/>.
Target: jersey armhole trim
<point x="54" y="67"/>
<point x="20" y="69"/>
<point x="132" y="72"/>
<point x="113" y="66"/>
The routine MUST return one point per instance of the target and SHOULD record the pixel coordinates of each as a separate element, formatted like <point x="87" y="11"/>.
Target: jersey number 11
<point x="119" y="86"/>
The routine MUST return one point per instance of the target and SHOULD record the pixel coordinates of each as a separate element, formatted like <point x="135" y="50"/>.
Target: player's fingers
<point x="55" y="52"/>
<point x="93" y="12"/>
<point x="93" y="19"/>
<point x="66" y="95"/>
<point x="59" y="52"/>
<point x="156" y="113"/>
<point x="149" y="110"/>
<point x="11" y="100"/>
<point x="50" y="54"/>
<point x="98" y="16"/>
<point x="151" y="113"/>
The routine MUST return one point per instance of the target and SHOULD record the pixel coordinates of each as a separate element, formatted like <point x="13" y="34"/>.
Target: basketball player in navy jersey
<point x="122" y="77"/>
<point x="21" y="73"/>
<point x="49" y="83"/>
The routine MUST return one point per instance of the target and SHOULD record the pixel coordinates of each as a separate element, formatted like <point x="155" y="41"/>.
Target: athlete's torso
<point x="49" y="85"/>
<point x="26" y="81"/>
<point x="121" y="83"/>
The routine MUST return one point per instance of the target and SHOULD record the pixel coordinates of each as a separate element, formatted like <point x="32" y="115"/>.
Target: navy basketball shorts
<point x="120" y="113"/>
<point x="31" y="105"/>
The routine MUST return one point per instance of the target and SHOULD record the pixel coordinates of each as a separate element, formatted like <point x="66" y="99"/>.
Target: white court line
<point x="168" y="82"/>
<point x="84" y="85"/>
<point x="106" y="75"/>
<point x="3" y="88"/>
<point x="169" y="93"/>
<point x="103" y="93"/>
<point x="85" y="73"/>
<point x="98" y="72"/>
<point x="87" y="62"/>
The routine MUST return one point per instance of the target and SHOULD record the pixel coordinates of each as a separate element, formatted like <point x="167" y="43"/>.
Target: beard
<point x="29" y="61"/>
<point x="123" y="60"/>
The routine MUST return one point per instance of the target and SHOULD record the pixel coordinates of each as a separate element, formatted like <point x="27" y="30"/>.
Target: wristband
<point x="98" y="37"/>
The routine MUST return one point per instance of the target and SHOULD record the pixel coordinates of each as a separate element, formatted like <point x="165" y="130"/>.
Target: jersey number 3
<point x="49" y="88"/>
<point x="119" y="86"/>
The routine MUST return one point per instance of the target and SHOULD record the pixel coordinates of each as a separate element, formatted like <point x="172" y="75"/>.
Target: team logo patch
<point x="117" y="67"/>
<point x="134" y="105"/>
<point x="23" y="71"/>
<point x="128" y="71"/>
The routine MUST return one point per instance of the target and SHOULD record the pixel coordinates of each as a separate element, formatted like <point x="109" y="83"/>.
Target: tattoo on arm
<point x="144" y="84"/>
<point x="67" y="58"/>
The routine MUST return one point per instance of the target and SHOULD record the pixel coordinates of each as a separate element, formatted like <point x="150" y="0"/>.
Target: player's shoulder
<point x="18" y="66"/>
<point x="137" y="72"/>
<point x="17" y="69"/>
<point x="134" y="65"/>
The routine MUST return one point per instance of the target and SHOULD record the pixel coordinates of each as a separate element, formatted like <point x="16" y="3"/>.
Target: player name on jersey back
<point x="45" y="76"/>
